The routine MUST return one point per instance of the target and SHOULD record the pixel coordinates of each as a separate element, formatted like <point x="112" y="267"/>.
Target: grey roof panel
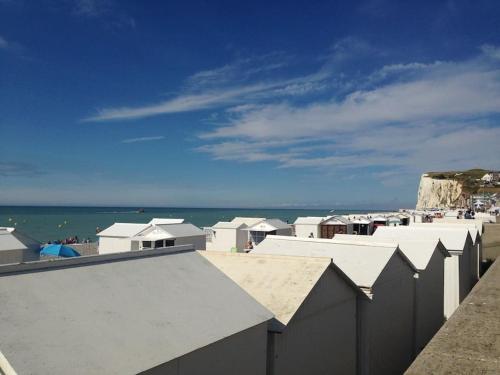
<point x="119" y="317"/>
<point x="181" y="230"/>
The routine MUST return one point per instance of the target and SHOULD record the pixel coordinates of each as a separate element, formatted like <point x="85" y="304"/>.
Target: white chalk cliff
<point x="433" y="193"/>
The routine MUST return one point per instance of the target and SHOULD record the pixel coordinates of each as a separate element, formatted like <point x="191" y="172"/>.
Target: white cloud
<point x="429" y="116"/>
<point x="143" y="139"/>
<point x="406" y="117"/>
<point x="3" y="43"/>
<point x="223" y="87"/>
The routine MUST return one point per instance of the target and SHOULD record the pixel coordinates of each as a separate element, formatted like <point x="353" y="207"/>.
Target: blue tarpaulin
<point x="59" y="251"/>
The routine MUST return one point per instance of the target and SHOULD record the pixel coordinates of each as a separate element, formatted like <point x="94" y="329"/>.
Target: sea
<point x="58" y="223"/>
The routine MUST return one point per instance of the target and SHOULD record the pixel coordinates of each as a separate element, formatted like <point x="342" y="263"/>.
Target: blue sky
<point x="243" y="104"/>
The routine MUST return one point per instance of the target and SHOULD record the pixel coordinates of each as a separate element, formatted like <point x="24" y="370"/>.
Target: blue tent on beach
<point x="59" y="251"/>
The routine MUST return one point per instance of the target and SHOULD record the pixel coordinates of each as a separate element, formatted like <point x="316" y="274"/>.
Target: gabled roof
<point x="418" y="251"/>
<point x="309" y="220"/>
<point x="12" y="239"/>
<point x="362" y="263"/>
<point x="136" y="313"/>
<point x="336" y="219"/>
<point x="453" y="239"/>
<point x="280" y="283"/>
<point x="228" y="225"/>
<point x="247" y="220"/>
<point x="165" y="231"/>
<point x="158" y="221"/>
<point x="360" y="220"/>
<point x="123" y="230"/>
<point x="475" y="227"/>
<point x="269" y="225"/>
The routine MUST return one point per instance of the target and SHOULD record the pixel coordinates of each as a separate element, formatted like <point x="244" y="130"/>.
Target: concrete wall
<point x="18" y="256"/>
<point x="243" y="353"/>
<point x="321" y="337"/>
<point x="90" y="248"/>
<point x="468" y="342"/>
<point x="387" y="337"/>
<point x="199" y="242"/>
<point x="108" y="245"/>
<point x="304" y="230"/>
<point x="430" y="301"/>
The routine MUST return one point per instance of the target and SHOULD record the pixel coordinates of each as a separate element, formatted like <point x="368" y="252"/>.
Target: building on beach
<point x="322" y="227"/>
<point x="121" y="237"/>
<point x="428" y="257"/>
<point x="308" y="226"/>
<point x="386" y="330"/>
<point x="314" y="304"/>
<point x="457" y="268"/>
<point x="475" y="228"/>
<point x="16" y="247"/>
<point x="235" y="235"/>
<point x="164" y="311"/>
<point x="362" y="226"/>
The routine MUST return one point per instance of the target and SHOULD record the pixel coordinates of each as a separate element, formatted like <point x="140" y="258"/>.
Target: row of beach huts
<point x="167" y="297"/>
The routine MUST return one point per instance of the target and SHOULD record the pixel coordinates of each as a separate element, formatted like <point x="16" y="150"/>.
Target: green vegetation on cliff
<point x="470" y="180"/>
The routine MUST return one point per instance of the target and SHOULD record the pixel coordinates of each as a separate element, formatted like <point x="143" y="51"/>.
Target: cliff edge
<point x="434" y="193"/>
<point x="454" y="188"/>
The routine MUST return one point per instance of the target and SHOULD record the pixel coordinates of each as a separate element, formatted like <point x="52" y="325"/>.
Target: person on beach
<point x="249" y="246"/>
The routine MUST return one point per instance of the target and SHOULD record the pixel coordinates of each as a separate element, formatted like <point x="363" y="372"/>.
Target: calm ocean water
<point x="52" y="223"/>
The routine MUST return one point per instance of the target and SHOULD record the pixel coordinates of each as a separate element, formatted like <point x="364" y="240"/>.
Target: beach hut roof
<point x="228" y="225"/>
<point x="166" y="231"/>
<point x="474" y="228"/>
<point x="310" y="220"/>
<point x="123" y="230"/>
<point x="280" y="283"/>
<point x="249" y="221"/>
<point x="336" y="220"/>
<point x="362" y="263"/>
<point x="158" y="221"/>
<point x="453" y="239"/>
<point x="269" y="225"/>
<point x="12" y="239"/>
<point x="140" y="309"/>
<point x="418" y="251"/>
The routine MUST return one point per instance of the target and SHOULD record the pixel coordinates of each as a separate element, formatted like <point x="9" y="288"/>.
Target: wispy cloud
<point x="18" y="169"/>
<point x="108" y="10"/>
<point x="217" y="88"/>
<point x="416" y="117"/>
<point x="402" y="116"/>
<point x="3" y="43"/>
<point x="91" y="8"/>
<point x="143" y="139"/>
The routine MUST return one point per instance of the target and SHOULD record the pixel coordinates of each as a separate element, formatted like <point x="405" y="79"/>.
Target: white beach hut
<point x="262" y="229"/>
<point x="234" y="235"/>
<point x="385" y="321"/>
<point x="308" y="226"/>
<point x="121" y="237"/>
<point x="457" y="268"/>
<point x="428" y="256"/>
<point x="314" y="304"/>
<point x="475" y="228"/>
<point x="227" y="236"/>
<point x="16" y="247"/>
<point x="165" y="311"/>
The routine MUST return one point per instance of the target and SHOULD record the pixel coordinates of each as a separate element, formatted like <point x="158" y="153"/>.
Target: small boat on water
<point x="140" y="211"/>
